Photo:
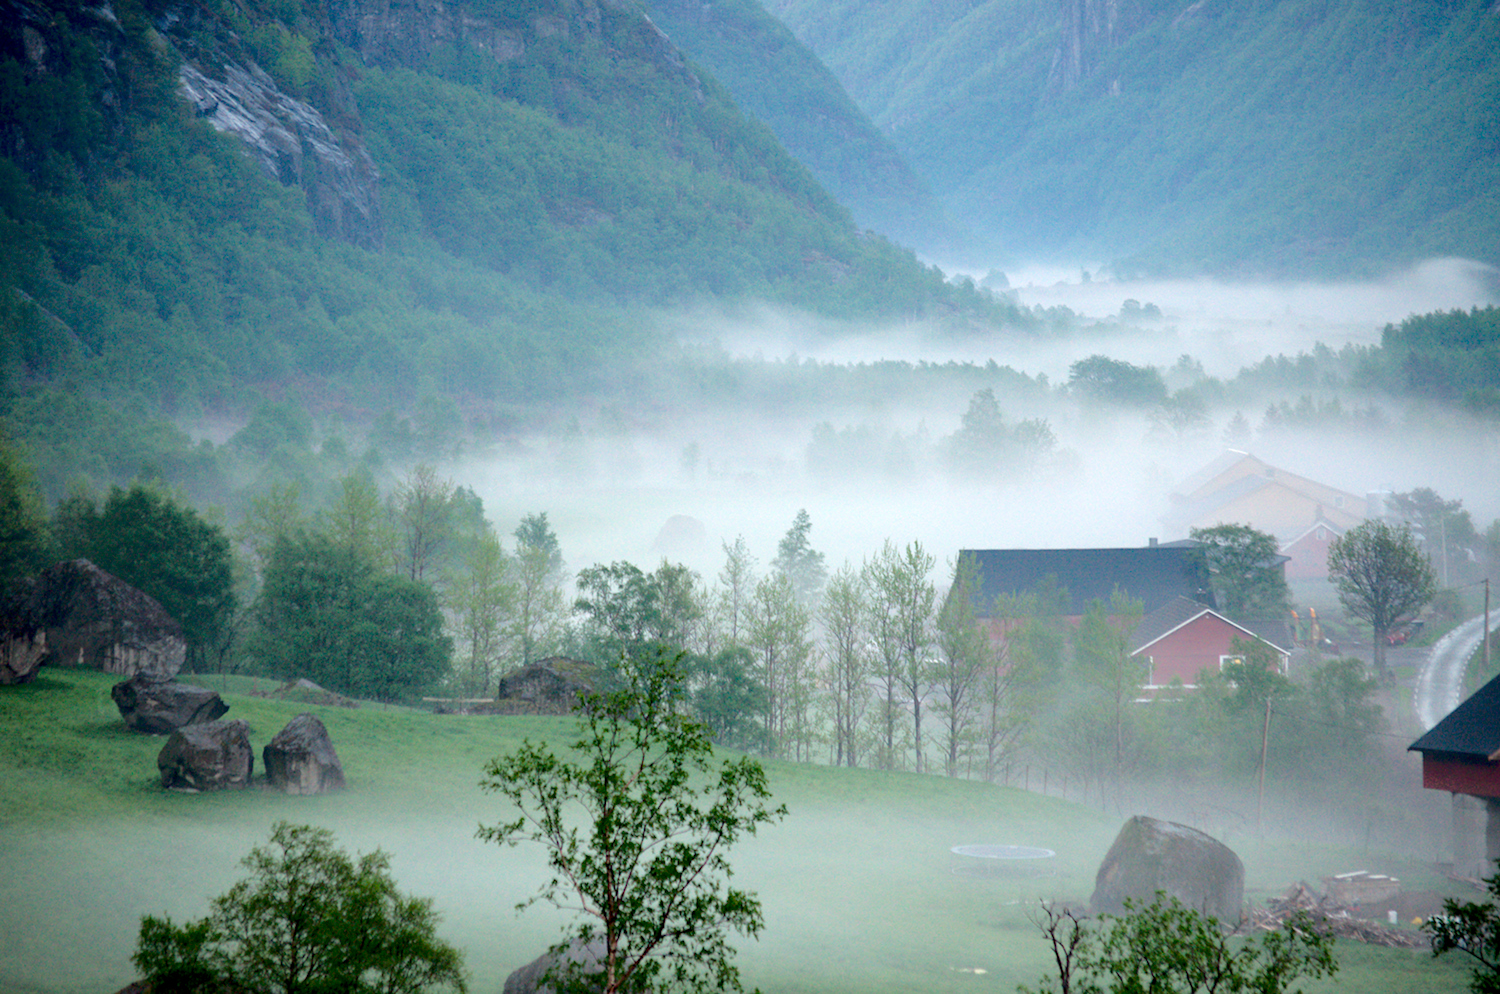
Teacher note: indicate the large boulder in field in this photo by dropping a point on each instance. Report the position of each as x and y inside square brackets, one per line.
[215, 755]
[530, 979]
[74, 614]
[159, 707]
[1151, 855]
[301, 760]
[549, 686]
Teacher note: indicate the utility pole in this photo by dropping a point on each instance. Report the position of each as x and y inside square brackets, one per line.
[1260, 796]
[1486, 627]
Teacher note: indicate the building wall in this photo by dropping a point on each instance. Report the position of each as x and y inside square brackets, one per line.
[1197, 646]
[1282, 511]
[1477, 779]
[1309, 555]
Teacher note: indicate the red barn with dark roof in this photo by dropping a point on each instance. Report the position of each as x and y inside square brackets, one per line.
[1461, 754]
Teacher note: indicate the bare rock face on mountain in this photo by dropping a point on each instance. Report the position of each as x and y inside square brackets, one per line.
[1150, 855]
[215, 755]
[301, 758]
[530, 979]
[74, 614]
[295, 146]
[411, 33]
[156, 706]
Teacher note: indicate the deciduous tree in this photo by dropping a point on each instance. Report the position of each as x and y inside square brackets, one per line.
[647, 869]
[145, 537]
[1167, 948]
[1246, 572]
[844, 612]
[963, 657]
[309, 919]
[1382, 577]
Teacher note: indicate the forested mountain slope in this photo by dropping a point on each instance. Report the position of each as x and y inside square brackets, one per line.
[775, 78]
[1226, 135]
[201, 202]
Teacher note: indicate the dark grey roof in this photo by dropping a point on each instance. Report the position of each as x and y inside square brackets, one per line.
[1472, 729]
[1181, 610]
[1154, 574]
[1174, 614]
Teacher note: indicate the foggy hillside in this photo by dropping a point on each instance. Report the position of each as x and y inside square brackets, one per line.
[1230, 137]
[774, 78]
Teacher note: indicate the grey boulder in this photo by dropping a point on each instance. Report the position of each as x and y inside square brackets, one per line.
[74, 614]
[1151, 855]
[159, 707]
[301, 758]
[532, 978]
[215, 755]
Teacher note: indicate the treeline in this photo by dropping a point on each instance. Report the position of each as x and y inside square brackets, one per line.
[888, 663]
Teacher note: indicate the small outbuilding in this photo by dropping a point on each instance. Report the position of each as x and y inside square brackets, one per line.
[1461, 754]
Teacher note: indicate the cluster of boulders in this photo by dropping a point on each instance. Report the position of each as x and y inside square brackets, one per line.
[76, 615]
[216, 755]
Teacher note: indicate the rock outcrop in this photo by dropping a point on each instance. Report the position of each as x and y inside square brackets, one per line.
[384, 32]
[156, 706]
[215, 755]
[549, 686]
[301, 758]
[294, 145]
[530, 979]
[74, 614]
[1151, 855]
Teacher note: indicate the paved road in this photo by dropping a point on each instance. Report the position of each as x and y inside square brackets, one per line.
[1440, 684]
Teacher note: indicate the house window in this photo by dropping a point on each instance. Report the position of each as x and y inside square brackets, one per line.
[1226, 660]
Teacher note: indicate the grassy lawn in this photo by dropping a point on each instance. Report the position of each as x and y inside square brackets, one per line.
[858, 883]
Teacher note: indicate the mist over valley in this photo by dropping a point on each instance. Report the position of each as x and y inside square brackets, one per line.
[431, 351]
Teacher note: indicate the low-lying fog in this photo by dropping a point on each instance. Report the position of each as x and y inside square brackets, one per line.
[744, 470]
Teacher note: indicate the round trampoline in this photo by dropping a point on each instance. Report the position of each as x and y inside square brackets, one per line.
[988, 860]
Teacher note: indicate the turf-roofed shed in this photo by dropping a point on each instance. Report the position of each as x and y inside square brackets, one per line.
[1461, 754]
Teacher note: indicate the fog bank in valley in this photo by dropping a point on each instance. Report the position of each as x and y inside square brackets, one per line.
[743, 466]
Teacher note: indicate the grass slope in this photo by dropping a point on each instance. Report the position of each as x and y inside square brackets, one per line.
[857, 884]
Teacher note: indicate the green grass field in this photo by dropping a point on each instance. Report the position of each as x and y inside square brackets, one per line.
[858, 884]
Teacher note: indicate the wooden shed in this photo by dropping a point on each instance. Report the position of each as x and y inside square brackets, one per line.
[1461, 754]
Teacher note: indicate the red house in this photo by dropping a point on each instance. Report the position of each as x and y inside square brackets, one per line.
[1184, 638]
[1307, 554]
[1461, 754]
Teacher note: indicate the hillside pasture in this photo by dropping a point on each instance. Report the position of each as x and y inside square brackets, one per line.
[860, 888]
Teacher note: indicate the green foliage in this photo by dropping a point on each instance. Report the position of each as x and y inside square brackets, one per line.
[25, 543]
[1472, 928]
[632, 614]
[1382, 576]
[728, 697]
[1102, 379]
[799, 561]
[1442, 355]
[1167, 948]
[327, 612]
[1245, 568]
[648, 869]
[1184, 138]
[149, 539]
[308, 919]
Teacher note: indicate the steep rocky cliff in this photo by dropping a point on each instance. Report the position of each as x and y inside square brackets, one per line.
[226, 71]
